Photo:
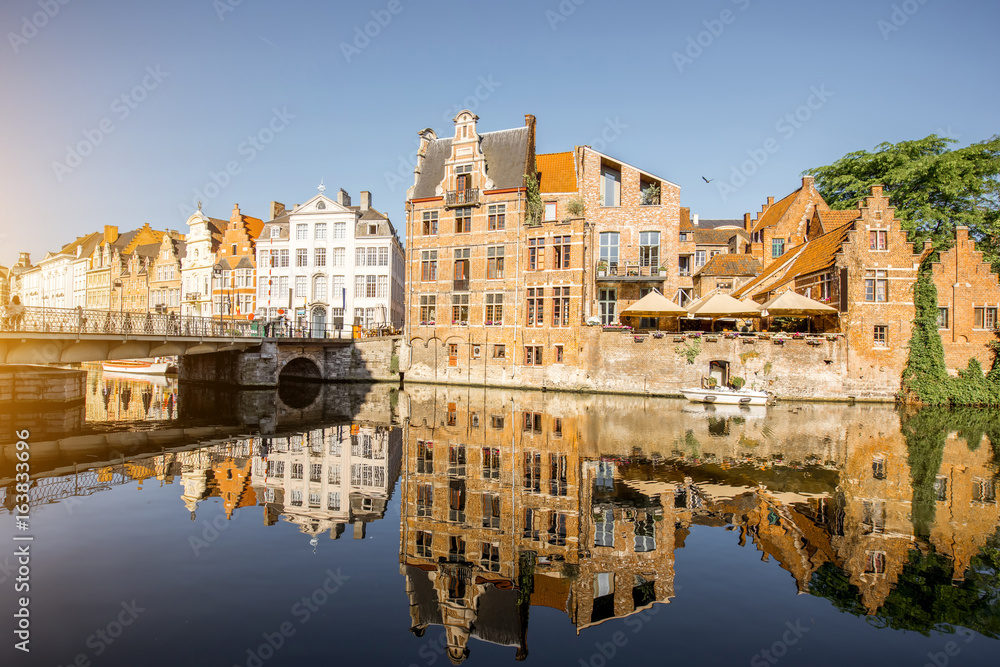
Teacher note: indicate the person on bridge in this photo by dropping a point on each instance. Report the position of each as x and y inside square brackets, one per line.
[16, 313]
[81, 321]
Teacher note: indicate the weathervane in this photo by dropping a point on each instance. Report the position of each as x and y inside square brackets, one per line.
[321, 187]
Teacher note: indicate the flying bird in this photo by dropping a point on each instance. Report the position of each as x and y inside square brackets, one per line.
[707, 180]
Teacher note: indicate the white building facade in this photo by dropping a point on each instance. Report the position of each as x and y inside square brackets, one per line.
[202, 242]
[327, 265]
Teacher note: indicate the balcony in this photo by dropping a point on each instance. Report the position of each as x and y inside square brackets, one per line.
[461, 198]
[628, 273]
[460, 285]
[192, 296]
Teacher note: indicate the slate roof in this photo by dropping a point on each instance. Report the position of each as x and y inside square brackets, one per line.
[556, 172]
[716, 236]
[714, 224]
[148, 250]
[372, 214]
[815, 255]
[506, 152]
[730, 264]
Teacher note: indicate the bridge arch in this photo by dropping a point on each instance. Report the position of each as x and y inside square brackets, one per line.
[300, 368]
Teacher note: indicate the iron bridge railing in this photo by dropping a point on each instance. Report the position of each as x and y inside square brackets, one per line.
[72, 320]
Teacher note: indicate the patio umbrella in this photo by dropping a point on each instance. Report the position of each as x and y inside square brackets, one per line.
[793, 304]
[654, 304]
[723, 305]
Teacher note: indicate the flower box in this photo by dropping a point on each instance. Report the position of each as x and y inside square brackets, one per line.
[749, 341]
[657, 335]
[813, 341]
[638, 339]
[711, 339]
[678, 339]
[778, 341]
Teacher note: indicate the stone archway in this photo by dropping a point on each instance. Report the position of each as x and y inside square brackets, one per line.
[300, 368]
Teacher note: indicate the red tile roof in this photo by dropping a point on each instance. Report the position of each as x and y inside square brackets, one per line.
[557, 172]
[773, 214]
[730, 264]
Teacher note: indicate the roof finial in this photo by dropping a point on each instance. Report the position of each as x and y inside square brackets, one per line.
[199, 204]
[321, 187]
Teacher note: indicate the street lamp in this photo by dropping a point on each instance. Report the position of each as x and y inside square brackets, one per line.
[121, 306]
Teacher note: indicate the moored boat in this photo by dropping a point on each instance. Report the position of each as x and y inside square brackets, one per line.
[135, 367]
[725, 396]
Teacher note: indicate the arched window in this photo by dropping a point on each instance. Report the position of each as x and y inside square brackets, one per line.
[319, 287]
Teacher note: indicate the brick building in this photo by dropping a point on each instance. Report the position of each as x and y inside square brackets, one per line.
[234, 285]
[165, 275]
[724, 272]
[783, 224]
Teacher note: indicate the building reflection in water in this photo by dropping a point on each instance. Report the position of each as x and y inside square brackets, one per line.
[121, 397]
[518, 499]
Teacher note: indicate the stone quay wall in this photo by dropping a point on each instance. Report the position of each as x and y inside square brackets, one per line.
[614, 362]
[26, 384]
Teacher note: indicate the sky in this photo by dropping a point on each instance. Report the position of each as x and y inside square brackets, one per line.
[125, 113]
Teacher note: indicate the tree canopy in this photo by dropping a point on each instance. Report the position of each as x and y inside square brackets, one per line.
[934, 188]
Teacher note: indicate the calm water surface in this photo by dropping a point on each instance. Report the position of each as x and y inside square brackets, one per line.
[435, 526]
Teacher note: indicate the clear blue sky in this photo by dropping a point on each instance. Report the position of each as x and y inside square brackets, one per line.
[219, 80]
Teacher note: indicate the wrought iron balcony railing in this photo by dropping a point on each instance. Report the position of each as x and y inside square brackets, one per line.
[462, 197]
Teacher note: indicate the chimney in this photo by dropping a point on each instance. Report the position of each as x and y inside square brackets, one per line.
[110, 233]
[359, 530]
[770, 201]
[24, 259]
[343, 198]
[746, 222]
[808, 182]
[529, 122]
[366, 200]
[277, 209]
[694, 219]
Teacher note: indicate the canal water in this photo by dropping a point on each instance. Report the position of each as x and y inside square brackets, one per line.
[431, 525]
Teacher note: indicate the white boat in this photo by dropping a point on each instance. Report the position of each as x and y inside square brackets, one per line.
[136, 367]
[725, 396]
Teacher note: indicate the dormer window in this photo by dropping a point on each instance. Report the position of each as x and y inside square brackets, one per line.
[275, 232]
[372, 230]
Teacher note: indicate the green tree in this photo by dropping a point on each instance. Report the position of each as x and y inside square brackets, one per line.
[934, 188]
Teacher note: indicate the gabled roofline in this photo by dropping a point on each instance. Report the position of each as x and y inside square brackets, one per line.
[641, 171]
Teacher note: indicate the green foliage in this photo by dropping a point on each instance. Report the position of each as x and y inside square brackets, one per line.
[767, 368]
[651, 195]
[925, 433]
[394, 364]
[934, 188]
[575, 207]
[737, 382]
[747, 356]
[925, 379]
[534, 197]
[689, 351]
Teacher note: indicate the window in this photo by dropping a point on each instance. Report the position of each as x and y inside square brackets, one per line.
[275, 232]
[320, 256]
[494, 308]
[283, 257]
[942, 319]
[611, 186]
[320, 231]
[301, 257]
[424, 543]
[649, 249]
[645, 534]
[296, 497]
[338, 256]
[456, 460]
[558, 467]
[684, 237]
[430, 226]
[825, 284]
[536, 254]
[425, 456]
[459, 308]
[985, 318]
[428, 265]
[608, 302]
[319, 288]
[876, 286]
[461, 268]
[499, 351]
[559, 354]
[532, 469]
[297, 471]
[881, 336]
[878, 239]
[560, 306]
[684, 265]
[532, 355]
[383, 256]
[550, 210]
[878, 467]
[491, 510]
[301, 286]
[497, 216]
[338, 287]
[984, 491]
[491, 463]
[370, 289]
[463, 219]
[301, 232]
[282, 287]
[872, 517]
[874, 562]
[359, 257]
[371, 256]
[557, 529]
[359, 288]
[560, 247]
[490, 560]
[383, 287]
[777, 247]
[425, 499]
[333, 475]
[699, 259]
[316, 472]
[340, 230]
[494, 262]
[609, 249]
[604, 530]
[941, 488]
[536, 307]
